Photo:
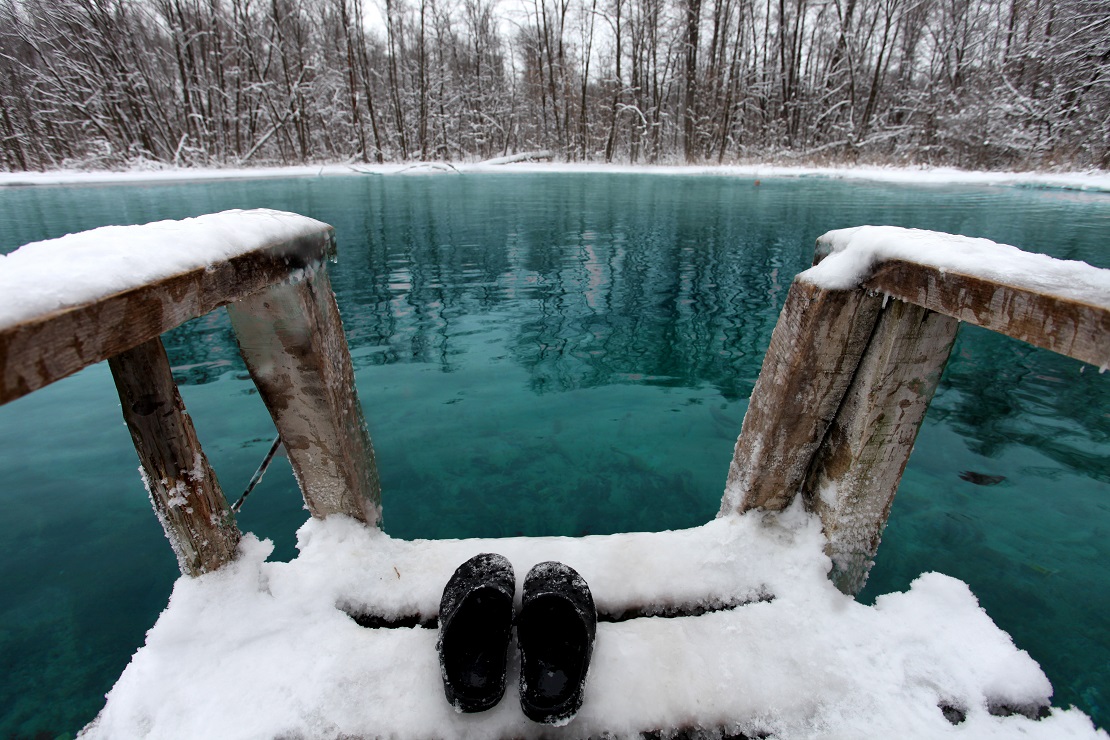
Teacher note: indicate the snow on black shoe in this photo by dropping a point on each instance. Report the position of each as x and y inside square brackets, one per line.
[555, 631]
[475, 622]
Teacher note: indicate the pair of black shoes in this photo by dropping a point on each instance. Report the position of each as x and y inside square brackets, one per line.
[555, 634]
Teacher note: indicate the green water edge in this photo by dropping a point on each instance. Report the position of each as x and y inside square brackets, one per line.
[559, 354]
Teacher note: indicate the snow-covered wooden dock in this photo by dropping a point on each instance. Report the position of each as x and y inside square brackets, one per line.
[266, 650]
[732, 628]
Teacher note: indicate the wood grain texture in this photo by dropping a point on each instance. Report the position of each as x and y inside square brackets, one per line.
[857, 467]
[183, 489]
[815, 347]
[292, 340]
[1072, 327]
[47, 348]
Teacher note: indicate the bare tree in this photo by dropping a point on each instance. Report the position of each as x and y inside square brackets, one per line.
[979, 83]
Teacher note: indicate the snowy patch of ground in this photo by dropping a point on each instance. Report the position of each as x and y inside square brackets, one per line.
[264, 649]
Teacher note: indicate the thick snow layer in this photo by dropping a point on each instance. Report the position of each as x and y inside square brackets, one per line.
[854, 252]
[47, 276]
[1091, 181]
[263, 649]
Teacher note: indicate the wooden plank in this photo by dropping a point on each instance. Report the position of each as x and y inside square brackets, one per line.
[859, 464]
[1072, 327]
[47, 348]
[292, 340]
[815, 347]
[183, 489]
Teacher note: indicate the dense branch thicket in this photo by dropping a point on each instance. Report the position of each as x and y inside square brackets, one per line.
[975, 83]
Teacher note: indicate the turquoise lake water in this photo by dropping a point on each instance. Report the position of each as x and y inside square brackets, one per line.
[559, 354]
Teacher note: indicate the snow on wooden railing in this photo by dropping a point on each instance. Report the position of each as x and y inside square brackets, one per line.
[111, 292]
[849, 373]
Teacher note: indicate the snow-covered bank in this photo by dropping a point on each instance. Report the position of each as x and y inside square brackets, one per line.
[265, 649]
[1087, 181]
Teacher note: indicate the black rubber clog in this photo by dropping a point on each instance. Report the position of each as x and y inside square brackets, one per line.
[475, 622]
[555, 631]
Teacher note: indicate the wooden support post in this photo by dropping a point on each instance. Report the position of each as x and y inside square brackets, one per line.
[292, 340]
[184, 490]
[857, 468]
[844, 386]
[814, 350]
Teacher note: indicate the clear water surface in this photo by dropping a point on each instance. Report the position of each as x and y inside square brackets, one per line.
[558, 355]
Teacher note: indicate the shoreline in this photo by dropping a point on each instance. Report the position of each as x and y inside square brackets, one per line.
[1098, 182]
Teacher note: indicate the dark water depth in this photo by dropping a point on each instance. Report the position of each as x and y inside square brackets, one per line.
[558, 355]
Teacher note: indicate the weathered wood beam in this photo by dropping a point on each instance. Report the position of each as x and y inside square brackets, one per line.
[291, 338]
[46, 348]
[838, 422]
[1069, 325]
[857, 468]
[183, 489]
[815, 347]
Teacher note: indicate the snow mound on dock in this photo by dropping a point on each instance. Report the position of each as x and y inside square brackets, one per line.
[269, 649]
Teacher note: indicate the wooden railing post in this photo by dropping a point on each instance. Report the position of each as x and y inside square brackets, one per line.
[183, 489]
[183, 270]
[815, 348]
[843, 390]
[857, 468]
[291, 338]
[856, 357]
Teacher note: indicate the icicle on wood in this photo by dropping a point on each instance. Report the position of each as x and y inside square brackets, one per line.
[183, 488]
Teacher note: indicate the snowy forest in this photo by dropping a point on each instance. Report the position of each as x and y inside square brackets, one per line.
[146, 83]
